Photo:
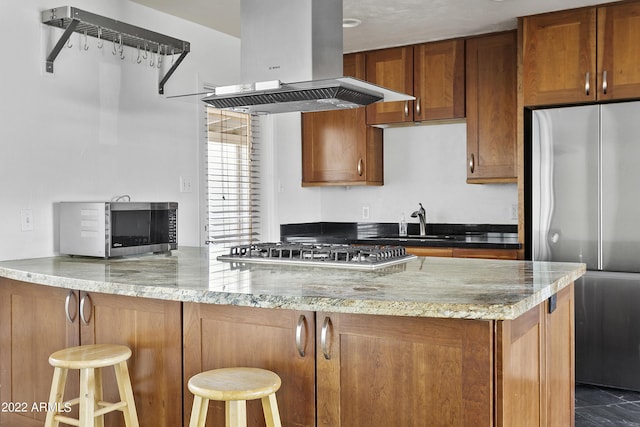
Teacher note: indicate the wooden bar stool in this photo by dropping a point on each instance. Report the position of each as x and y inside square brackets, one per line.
[235, 386]
[89, 359]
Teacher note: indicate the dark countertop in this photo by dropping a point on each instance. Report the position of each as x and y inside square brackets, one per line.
[479, 236]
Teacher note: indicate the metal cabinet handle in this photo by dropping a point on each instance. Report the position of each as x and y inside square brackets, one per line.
[587, 85]
[299, 345]
[406, 108]
[605, 86]
[85, 320]
[472, 163]
[360, 167]
[418, 106]
[67, 302]
[323, 338]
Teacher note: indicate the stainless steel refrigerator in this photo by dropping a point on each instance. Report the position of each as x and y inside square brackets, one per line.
[585, 194]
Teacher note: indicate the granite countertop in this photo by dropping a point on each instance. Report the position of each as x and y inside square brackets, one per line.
[422, 287]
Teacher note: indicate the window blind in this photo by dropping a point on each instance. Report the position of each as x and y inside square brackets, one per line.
[233, 197]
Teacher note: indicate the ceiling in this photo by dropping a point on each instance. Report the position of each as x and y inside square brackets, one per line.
[386, 23]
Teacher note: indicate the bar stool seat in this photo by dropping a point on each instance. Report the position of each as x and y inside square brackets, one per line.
[89, 359]
[235, 386]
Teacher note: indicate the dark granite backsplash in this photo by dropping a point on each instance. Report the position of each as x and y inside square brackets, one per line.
[345, 232]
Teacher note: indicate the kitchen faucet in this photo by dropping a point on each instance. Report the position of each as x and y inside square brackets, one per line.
[421, 214]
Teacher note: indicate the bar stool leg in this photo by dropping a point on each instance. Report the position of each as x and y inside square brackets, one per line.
[99, 421]
[126, 394]
[235, 413]
[56, 396]
[199, 412]
[270, 409]
[87, 397]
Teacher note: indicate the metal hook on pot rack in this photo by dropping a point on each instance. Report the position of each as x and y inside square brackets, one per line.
[159, 61]
[99, 35]
[86, 45]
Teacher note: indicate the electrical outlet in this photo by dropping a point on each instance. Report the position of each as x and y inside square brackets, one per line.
[365, 212]
[26, 220]
[185, 185]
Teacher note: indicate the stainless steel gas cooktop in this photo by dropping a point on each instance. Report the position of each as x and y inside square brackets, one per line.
[363, 257]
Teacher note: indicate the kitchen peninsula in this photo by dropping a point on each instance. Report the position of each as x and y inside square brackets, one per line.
[433, 341]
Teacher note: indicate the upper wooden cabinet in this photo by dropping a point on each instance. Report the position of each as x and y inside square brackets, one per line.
[560, 51]
[559, 57]
[438, 80]
[393, 69]
[618, 52]
[491, 108]
[354, 65]
[338, 148]
[432, 72]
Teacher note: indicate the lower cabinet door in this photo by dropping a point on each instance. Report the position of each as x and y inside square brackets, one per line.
[33, 324]
[218, 336]
[151, 328]
[402, 371]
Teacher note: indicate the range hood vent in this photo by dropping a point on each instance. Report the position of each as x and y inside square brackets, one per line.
[294, 41]
[318, 95]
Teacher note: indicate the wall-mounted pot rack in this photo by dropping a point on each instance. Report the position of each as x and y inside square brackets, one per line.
[72, 19]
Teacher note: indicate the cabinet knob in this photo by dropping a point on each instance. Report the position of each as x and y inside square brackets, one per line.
[406, 108]
[472, 163]
[360, 167]
[605, 85]
[418, 106]
[587, 85]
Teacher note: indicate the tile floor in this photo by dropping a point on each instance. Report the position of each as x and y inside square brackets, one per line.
[602, 407]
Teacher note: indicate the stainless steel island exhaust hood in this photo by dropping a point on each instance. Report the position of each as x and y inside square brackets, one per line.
[299, 42]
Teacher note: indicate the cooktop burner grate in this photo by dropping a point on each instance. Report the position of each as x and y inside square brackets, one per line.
[330, 255]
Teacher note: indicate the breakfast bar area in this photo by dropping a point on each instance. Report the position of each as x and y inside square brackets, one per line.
[432, 341]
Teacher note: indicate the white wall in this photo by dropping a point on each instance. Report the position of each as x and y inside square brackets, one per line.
[422, 164]
[97, 127]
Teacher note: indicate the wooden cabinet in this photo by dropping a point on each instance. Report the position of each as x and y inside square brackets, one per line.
[34, 324]
[438, 80]
[338, 148]
[432, 72]
[402, 371]
[559, 57]
[618, 53]
[393, 69]
[282, 341]
[354, 65]
[582, 55]
[152, 329]
[384, 370]
[541, 392]
[463, 252]
[491, 108]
